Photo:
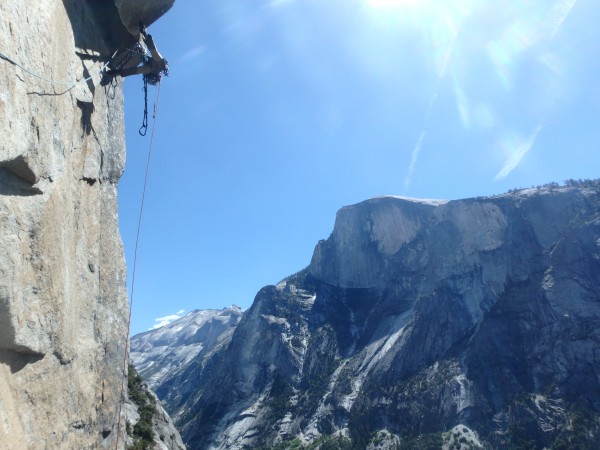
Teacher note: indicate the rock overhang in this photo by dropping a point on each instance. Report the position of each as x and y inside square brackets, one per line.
[132, 12]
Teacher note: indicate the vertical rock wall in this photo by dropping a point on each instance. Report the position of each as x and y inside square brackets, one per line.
[415, 317]
[63, 302]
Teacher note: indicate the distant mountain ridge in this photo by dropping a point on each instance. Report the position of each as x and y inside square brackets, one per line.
[160, 354]
[417, 324]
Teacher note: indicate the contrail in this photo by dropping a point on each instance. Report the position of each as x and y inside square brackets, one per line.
[559, 13]
[514, 160]
[413, 160]
[417, 148]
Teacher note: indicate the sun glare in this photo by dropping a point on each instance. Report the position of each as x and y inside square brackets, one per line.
[393, 4]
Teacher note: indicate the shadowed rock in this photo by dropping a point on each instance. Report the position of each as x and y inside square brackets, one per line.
[414, 318]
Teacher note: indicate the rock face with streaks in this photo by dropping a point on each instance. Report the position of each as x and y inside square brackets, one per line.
[63, 302]
[420, 323]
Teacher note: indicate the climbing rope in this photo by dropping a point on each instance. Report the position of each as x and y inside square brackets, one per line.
[149, 78]
[153, 79]
[125, 56]
[144, 126]
[137, 238]
[71, 84]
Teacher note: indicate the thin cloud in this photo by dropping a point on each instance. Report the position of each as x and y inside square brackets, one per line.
[449, 49]
[559, 13]
[462, 104]
[162, 321]
[447, 56]
[192, 53]
[517, 156]
[413, 160]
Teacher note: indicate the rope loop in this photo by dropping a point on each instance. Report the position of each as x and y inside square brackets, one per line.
[70, 84]
[144, 128]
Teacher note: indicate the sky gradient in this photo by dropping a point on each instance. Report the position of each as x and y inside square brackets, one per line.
[278, 113]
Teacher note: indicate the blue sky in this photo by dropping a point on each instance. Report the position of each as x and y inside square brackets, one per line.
[278, 113]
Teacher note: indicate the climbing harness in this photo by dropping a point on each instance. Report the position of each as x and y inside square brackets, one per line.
[125, 56]
[128, 54]
[139, 50]
[71, 84]
[137, 238]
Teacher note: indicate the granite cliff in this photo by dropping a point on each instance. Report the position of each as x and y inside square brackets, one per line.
[160, 355]
[63, 301]
[419, 324]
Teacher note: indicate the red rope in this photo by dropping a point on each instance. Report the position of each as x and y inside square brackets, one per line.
[137, 238]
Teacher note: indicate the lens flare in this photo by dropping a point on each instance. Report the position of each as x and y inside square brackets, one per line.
[389, 4]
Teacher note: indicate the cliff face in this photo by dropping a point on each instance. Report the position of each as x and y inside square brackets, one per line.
[476, 317]
[63, 302]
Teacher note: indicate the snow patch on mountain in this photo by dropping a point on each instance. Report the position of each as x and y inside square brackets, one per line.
[158, 354]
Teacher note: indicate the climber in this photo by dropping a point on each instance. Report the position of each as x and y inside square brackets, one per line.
[152, 68]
